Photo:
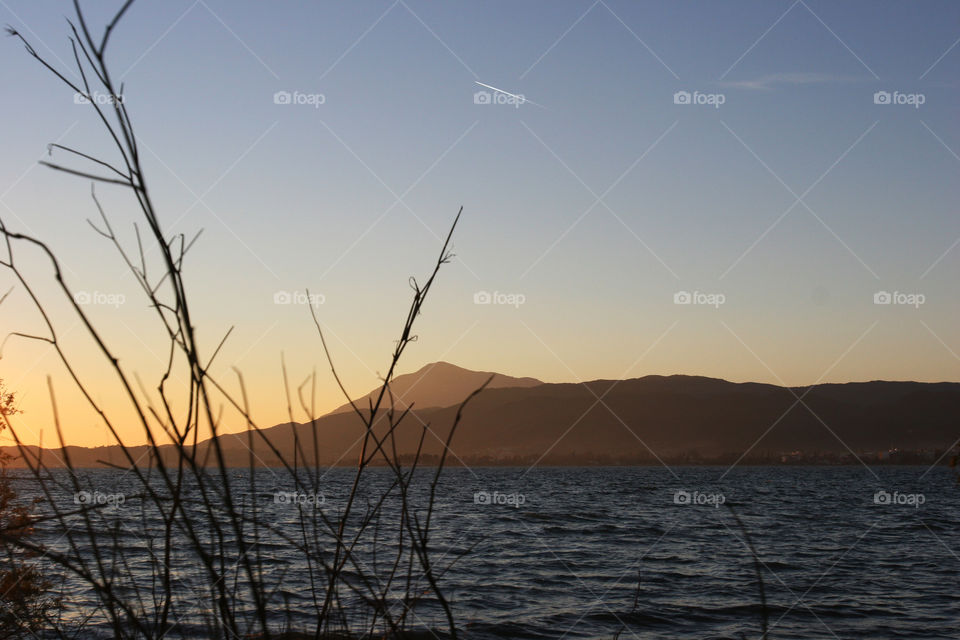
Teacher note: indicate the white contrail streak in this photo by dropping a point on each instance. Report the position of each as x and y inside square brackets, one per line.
[520, 98]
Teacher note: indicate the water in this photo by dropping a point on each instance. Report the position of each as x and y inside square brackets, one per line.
[583, 553]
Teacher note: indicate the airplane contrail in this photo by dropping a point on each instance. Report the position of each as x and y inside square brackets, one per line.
[521, 99]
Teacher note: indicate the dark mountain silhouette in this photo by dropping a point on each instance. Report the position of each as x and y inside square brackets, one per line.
[667, 417]
[439, 384]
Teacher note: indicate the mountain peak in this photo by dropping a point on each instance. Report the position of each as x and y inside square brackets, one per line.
[442, 384]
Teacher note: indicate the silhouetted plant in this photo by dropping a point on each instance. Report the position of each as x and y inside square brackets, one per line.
[26, 604]
[206, 564]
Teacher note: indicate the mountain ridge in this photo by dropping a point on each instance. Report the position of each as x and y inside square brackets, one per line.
[653, 417]
[450, 385]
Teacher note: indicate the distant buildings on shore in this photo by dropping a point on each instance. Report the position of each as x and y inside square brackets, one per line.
[890, 456]
[798, 457]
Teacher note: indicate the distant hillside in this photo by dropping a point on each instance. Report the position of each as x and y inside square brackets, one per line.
[673, 417]
[440, 384]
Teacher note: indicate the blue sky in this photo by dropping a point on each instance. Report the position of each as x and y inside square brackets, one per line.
[595, 202]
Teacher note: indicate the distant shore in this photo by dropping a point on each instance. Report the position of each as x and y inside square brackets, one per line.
[905, 459]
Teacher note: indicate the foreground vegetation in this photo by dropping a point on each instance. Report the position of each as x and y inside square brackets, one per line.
[205, 527]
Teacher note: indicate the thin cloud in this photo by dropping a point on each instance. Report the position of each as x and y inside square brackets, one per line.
[772, 81]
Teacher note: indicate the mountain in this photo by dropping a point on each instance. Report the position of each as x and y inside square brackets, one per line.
[439, 384]
[669, 418]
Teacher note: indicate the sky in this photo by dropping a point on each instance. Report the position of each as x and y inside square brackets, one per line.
[755, 191]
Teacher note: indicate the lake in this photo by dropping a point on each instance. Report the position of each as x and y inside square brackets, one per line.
[585, 553]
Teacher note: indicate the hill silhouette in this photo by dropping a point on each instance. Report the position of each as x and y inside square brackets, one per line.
[439, 384]
[654, 417]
